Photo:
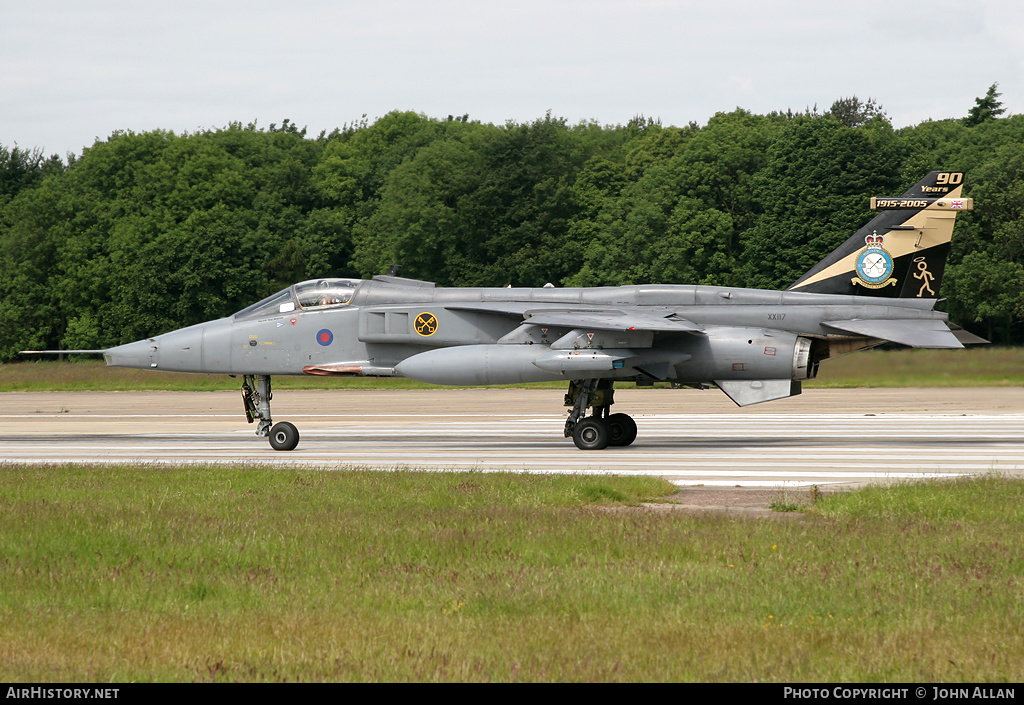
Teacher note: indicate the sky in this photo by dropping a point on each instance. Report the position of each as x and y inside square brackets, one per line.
[72, 72]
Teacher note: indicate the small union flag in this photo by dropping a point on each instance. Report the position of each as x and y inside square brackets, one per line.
[956, 204]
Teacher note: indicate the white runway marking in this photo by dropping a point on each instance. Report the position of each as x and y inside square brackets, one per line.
[688, 449]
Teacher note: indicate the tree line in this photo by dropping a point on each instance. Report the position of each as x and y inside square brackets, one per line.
[146, 232]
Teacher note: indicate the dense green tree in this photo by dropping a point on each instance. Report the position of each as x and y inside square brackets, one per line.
[675, 211]
[985, 276]
[30, 313]
[986, 108]
[934, 144]
[24, 168]
[421, 223]
[982, 277]
[853, 112]
[481, 206]
[812, 192]
[153, 231]
[355, 164]
[524, 203]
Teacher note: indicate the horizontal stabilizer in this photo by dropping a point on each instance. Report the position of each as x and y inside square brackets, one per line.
[965, 337]
[917, 333]
[610, 320]
[746, 391]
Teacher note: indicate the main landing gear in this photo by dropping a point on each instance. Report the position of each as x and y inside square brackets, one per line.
[602, 429]
[594, 432]
[256, 396]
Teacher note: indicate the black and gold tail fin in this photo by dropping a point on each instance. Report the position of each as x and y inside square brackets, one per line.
[902, 252]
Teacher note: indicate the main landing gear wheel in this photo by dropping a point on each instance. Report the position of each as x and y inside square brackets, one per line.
[621, 429]
[601, 429]
[591, 434]
[284, 436]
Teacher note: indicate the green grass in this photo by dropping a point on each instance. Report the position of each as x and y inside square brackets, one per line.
[978, 366]
[93, 375]
[253, 574]
[975, 366]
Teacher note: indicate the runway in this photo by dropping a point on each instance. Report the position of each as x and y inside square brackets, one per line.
[690, 437]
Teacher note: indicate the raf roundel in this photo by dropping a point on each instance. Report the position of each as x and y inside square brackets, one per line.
[324, 337]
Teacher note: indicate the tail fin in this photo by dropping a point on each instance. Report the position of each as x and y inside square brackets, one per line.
[902, 252]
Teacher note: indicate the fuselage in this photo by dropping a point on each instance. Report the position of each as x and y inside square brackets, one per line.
[383, 323]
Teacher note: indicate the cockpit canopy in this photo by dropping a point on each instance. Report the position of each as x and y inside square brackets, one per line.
[314, 294]
[325, 292]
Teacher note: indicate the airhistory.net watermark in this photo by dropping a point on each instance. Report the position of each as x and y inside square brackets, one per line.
[62, 693]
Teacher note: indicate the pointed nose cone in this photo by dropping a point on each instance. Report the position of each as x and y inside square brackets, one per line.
[141, 355]
[184, 350]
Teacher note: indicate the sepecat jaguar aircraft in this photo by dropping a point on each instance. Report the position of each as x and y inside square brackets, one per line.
[755, 345]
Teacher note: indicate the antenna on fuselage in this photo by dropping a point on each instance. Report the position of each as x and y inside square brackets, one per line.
[392, 270]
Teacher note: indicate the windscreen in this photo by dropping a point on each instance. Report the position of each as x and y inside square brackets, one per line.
[280, 302]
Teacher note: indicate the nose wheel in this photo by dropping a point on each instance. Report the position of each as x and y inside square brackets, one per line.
[256, 396]
[284, 436]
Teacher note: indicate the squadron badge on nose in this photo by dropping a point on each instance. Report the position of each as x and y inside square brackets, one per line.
[425, 324]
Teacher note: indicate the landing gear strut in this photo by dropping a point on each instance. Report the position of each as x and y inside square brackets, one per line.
[601, 429]
[256, 396]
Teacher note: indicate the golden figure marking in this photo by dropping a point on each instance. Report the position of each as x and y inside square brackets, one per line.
[925, 276]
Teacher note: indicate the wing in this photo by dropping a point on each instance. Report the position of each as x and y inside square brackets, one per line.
[611, 319]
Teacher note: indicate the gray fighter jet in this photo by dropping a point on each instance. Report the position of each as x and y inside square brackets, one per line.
[755, 345]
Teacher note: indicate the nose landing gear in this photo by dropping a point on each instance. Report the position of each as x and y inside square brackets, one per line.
[256, 396]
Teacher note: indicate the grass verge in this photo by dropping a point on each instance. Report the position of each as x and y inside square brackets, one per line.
[976, 366]
[257, 574]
